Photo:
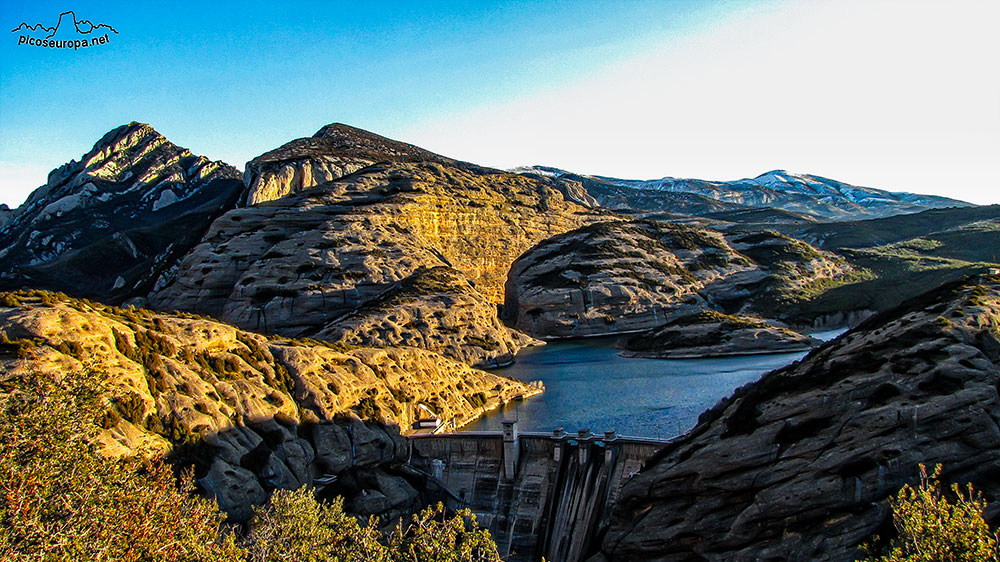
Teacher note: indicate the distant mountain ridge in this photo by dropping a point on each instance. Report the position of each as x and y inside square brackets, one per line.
[817, 196]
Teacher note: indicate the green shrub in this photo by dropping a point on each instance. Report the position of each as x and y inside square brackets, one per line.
[281, 379]
[19, 347]
[933, 529]
[401, 396]
[131, 407]
[9, 299]
[368, 409]
[71, 348]
[294, 526]
[124, 347]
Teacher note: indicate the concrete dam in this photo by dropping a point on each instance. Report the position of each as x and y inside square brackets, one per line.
[539, 494]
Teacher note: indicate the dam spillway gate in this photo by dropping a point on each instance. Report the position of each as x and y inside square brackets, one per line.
[539, 494]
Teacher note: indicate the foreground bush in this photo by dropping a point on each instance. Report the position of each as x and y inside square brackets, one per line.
[933, 529]
[60, 500]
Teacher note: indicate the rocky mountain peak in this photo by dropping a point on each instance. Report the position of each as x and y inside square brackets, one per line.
[353, 141]
[129, 158]
[335, 151]
[132, 181]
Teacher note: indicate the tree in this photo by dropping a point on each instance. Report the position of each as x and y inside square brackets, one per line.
[933, 529]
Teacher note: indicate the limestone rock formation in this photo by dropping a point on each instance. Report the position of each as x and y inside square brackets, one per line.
[252, 413]
[713, 334]
[794, 272]
[301, 264]
[631, 276]
[107, 226]
[799, 465]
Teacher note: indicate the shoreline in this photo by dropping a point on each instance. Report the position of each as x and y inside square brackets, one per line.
[533, 390]
[683, 356]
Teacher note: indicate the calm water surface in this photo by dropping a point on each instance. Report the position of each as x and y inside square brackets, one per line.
[589, 386]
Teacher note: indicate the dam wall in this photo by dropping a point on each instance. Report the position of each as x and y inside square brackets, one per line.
[539, 494]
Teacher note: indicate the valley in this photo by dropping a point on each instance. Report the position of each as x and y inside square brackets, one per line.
[298, 322]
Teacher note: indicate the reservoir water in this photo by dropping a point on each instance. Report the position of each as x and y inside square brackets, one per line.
[589, 386]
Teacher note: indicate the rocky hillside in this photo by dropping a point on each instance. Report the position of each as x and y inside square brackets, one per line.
[338, 260]
[919, 252]
[799, 193]
[621, 277]
[105, 227]
[436, 309]
[252, 413]
[713, 334]
[799, 465]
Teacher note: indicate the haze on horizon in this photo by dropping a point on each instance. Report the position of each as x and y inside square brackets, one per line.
[887, 94]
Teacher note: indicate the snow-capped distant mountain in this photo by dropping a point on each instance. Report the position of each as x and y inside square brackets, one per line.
[801, 193]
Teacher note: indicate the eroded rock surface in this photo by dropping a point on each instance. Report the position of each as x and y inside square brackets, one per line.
[436, 309]
[799, 466]
[252, 413]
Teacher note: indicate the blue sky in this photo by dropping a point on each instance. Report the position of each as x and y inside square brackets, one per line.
[896, 95]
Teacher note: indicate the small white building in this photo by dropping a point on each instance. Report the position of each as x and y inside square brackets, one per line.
[427, 423]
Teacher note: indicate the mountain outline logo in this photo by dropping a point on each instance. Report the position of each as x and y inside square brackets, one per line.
[82, 27]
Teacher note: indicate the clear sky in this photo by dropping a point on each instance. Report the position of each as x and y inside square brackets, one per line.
[901, 95]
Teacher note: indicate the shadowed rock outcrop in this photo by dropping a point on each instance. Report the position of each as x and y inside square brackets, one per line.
[252, 413]
[5, 214]
[799, 465]
[106, 227]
